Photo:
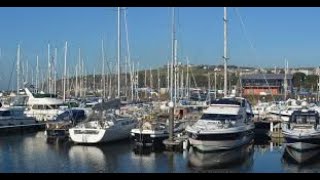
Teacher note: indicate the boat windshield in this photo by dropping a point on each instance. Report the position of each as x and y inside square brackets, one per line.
[220, 117]
[305, 119]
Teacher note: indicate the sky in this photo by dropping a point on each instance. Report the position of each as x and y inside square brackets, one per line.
[267, 37]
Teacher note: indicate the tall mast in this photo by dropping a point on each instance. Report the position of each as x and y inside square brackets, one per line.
[225, 58]
[285, 85]
[27, 72]
[68, 83]
[128, 45]
[158, 76]
[125, 76]
[187, 80]
[94, 80]
[145, 77]
[133, 80]
[175, 71]
[76, 88]
[103, 72]
[318, 98]
[137, 84]
[49, 70]
[55, 69]
[215, 83]
[18, 69]
[173, 52]
[65, 71]
[37, 73]
[150, 79]
[77, 73]
[119, 51]
[168, 76]
[83, 79]
[181, 84]
[32, 76]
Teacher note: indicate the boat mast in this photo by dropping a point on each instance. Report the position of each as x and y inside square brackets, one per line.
[37, 73]
[225, 58]
[119, 51]
[285, 85]
[65, 71]
[128, 50]
[133, 79]
[32, 76]
[137, 83]
[158, 76]
[168, 76]
[27, 72]
[76, 88]
[83, 90]
[49, 70]
[145, 77]
[173, 53]
[181, 84]
[125, 77]
[318, 98]
[175, 71]
[150, 85]
[18, 69]
[187, 80]
[55, 69]
[103, 72]
[94, 81]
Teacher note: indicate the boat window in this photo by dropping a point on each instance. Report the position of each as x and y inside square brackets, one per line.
[5, 113]
[305, 119]
[89, 105]
[220, 117]
[54, 106]
[86, 132]
[37, 107]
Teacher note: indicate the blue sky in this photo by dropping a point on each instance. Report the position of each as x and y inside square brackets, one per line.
[277, 33]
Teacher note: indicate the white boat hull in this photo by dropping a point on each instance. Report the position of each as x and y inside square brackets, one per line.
[219, 145]
[99, 135]
[302, 146]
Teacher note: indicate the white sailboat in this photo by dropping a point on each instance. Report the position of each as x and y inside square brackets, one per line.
[99, 129]
[106, 126]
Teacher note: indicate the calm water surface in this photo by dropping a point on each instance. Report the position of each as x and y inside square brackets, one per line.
[31, 152]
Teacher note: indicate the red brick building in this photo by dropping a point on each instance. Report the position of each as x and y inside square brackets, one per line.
[265, 84]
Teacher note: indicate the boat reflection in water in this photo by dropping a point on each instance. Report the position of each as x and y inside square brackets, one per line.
[301, 161]
[86, 157]
[235, 160]
[98, 158]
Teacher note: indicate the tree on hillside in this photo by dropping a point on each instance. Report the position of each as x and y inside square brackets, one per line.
[298, 79]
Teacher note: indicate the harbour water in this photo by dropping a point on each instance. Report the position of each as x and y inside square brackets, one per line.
[31, 152]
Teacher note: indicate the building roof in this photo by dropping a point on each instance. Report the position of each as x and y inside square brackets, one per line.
[266, 76]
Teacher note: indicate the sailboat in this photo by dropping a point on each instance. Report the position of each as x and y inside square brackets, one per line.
[227, 123]
[105, 126]
[154, 133]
